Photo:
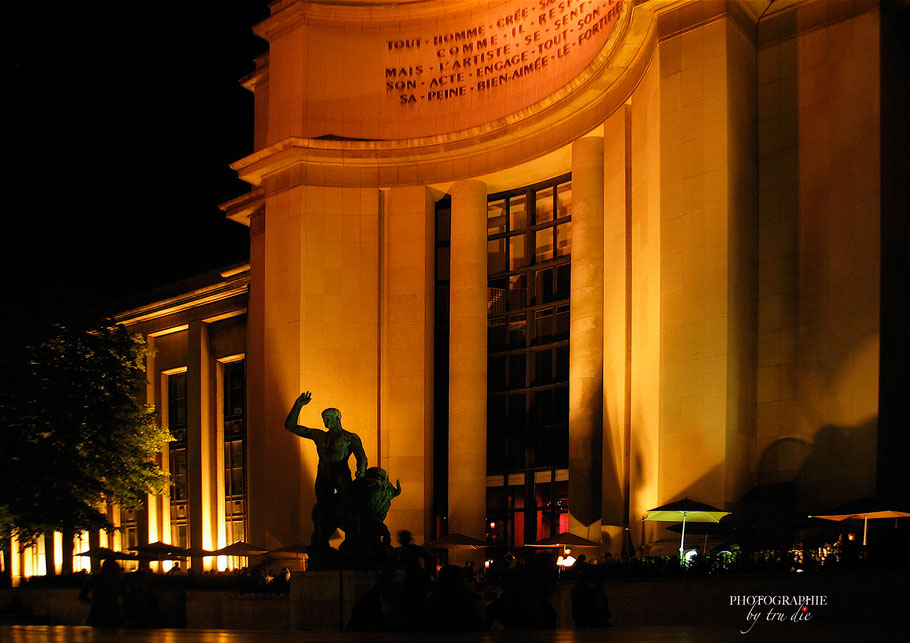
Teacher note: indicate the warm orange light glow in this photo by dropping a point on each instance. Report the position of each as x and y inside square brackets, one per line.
[58, 552]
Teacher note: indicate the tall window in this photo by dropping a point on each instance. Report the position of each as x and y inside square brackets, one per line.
[176, 405]
[234, 394]
[529, 234]
[128, 524]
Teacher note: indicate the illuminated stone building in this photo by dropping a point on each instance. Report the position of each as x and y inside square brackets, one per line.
[556, 262]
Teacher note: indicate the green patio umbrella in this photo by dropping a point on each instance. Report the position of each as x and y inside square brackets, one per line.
[685, 510]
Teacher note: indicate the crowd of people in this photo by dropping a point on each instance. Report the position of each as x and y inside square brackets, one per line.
[415, 596]
[127, 599]
[120, 600]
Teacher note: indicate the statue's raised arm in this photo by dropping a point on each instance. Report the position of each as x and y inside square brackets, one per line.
[291, 422]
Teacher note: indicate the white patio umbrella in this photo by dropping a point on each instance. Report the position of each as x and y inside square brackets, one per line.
[866, 508]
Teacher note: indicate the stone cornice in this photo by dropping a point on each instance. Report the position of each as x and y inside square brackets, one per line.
[243, 207]
[577, 108]
[534, 131]
[234, 285]
[289, 14]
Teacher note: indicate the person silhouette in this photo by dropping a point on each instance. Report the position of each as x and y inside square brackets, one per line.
[107, 593]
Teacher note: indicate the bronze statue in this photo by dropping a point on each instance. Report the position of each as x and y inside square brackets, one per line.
[368, 502]
[333, 446]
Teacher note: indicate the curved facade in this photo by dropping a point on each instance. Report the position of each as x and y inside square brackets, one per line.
[723, 323]
[556, 262]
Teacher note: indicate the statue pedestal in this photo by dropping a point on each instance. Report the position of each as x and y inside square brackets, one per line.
[323, 600]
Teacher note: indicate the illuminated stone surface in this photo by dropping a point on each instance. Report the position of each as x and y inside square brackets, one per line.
[732, 323]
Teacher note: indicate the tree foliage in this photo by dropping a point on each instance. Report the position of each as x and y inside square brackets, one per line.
[74, 433]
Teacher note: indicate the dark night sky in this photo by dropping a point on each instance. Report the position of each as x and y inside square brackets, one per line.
[125, 118]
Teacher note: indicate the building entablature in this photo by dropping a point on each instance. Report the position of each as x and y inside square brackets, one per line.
[225, 298]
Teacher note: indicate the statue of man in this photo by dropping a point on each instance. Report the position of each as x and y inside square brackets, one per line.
[333, 446]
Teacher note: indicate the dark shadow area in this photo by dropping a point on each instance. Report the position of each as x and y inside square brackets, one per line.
[894, 376]
[124, 123]
[795, 476]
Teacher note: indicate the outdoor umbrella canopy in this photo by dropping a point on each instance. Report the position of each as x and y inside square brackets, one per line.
[703, 528]
[564, 539]
[160, 549]
[104, 552]
[288, 551]
[686, 510]
[241, 548]
[455, 541]
[863, 509]
[199, 552]
[297, 548]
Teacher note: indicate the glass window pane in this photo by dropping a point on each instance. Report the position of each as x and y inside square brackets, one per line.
[496, 216]
[563, 239]
[237, 531]
[518, 213]
[517, 412]
[544, 206]
[563, 281]
[543, 245]
[561, 446]
[563, 200]
[518, 258]
[543, 326]
[442, 302]
[496, 255]
[517, 371]
[496, 499]
[497, 333]
[496, 412]
[543, 367]
[544, 286]
[442, 263]
[562, 322]
[562, 363]
[518, 289]
[496, 373]
[515, 458]
[496, 460]
[542, 408]
[178, 382]
[561, 406]
[537, 457]
[443, 224]
[517, 331]
[497, 296]
[180, 414]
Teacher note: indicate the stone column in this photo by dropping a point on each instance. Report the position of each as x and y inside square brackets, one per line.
[198, 439]
[586, 334]
[468, 360]
[148, 526]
